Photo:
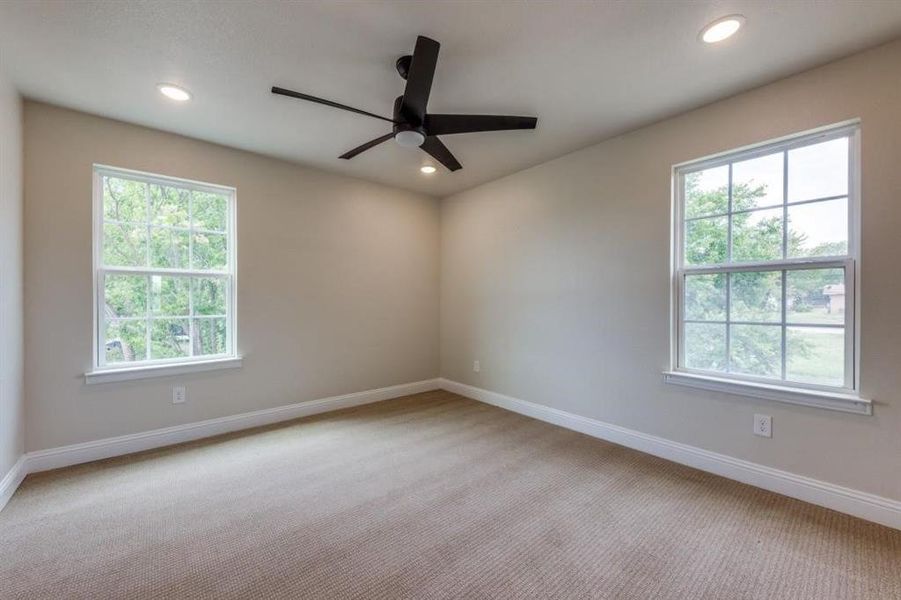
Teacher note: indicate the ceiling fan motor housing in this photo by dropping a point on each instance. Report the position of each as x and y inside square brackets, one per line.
[403, 66]
[405, 133]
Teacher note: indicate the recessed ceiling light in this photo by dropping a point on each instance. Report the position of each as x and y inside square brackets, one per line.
[427, 169]
[174, 92]
[722, 29]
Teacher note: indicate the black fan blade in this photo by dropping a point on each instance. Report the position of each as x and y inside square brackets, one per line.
[439, 152]
[292, 94]
[366, 146]
[419, 80]
[448, 124]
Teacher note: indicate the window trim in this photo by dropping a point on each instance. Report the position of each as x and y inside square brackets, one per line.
[100, 372]
[846, 397]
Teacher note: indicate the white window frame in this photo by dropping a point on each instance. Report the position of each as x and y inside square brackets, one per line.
[846, 397]
[102, 372]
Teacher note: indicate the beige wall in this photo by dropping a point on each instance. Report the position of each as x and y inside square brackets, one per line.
[557, 279]
[338, 282]
[12, 413]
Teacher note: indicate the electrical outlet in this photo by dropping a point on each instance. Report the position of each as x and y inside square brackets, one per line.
[763, 425]
[178, 394]
[476, 366]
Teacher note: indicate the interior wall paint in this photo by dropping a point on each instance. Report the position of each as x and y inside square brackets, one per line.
[12, 412]
[337, 282]
[557, 280]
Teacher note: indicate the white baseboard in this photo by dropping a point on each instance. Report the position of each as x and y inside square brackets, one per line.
[11, 481]
[853, 502]
[64, 456]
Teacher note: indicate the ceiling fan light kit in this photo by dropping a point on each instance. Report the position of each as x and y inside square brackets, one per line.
[413, 126]
[409, 138]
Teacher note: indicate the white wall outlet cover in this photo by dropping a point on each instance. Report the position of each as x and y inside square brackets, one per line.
[476, 366]
[763, 425]
[178, 395]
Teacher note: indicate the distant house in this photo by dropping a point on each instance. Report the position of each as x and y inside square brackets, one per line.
[835, 297]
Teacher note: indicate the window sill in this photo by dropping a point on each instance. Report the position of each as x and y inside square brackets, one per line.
[149, 371]
[830, 400]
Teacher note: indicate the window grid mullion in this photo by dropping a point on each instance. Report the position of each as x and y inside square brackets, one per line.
[710, 322]
[147, 224]
[215, 231]
[729, 320]
[164, 272]
[728, 275]
[689, 219]
[785, 205]
[783, 368]
[850, 273]
[800, 264]
[183, 317]
[148, 322]
[784, 327]
[101, 308]
[729, 218]
[191, 331]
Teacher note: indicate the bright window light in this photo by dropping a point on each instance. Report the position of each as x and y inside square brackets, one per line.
[766, 249]
[164, 267]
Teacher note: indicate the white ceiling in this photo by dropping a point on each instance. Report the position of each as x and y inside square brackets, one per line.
[587, 70]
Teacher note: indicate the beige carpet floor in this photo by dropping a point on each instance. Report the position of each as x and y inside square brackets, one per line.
[429, 496]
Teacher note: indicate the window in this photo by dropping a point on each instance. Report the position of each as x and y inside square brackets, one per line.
[164, 266]
[765, 248]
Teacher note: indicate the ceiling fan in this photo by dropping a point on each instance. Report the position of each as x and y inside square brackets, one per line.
[412, 125]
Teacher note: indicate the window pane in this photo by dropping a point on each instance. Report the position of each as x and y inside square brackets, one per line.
[126, 341]
[818, 228]
[209, 296]
[757, 235]
[169, 296]
[124, 200]
[707, 192]
[157, 227]
[705, 297]
[209, 336]
[210, 211]
[124, 245]
[756, 296]
[757, 182]
[170, 338]
[125, 296]
[815, 355]
[705, 346]
[705, 241]
[815, 296]
[818, 171]
[210, 251]
[756, 350]
[168, 248]
[169, 206]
